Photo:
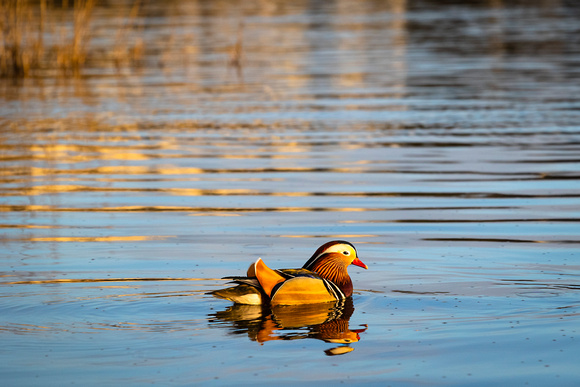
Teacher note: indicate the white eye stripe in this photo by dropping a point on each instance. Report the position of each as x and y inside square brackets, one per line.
[341, 248]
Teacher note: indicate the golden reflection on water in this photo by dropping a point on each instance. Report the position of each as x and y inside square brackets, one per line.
[99, 280]
[62, 188]
[211, 210]
[172, 170]
[32, 226]
[332, 236]
[131, 238]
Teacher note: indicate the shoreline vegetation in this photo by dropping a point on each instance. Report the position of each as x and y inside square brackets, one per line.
[55, 38]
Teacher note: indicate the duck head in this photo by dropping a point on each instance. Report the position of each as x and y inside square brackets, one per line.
[330, 262]
[345, 250]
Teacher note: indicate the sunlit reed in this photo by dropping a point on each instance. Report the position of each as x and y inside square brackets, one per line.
[45, 36]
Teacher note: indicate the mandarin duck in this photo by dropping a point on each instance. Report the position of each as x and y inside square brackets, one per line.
[323, 278]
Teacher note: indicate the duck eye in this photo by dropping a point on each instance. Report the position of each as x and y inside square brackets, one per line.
[346, 252]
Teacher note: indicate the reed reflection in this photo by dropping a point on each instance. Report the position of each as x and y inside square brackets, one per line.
[328, 322]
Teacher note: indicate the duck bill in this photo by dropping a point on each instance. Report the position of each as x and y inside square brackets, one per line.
[358, 262]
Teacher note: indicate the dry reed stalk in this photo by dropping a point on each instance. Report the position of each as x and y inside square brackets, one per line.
[27, 45]
[20, 50]
[23, 48]
[236, 51]
[122, 52]
[72, 55]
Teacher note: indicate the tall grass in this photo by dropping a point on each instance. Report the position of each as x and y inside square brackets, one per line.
[122, 54]
[72, 55]
[42, 36]
[21, 48]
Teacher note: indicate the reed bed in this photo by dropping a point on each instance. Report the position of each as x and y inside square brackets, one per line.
[40, 37]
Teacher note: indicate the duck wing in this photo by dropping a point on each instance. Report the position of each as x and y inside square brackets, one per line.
[282, 287]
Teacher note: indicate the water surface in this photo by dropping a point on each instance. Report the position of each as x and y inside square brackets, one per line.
[442, 139]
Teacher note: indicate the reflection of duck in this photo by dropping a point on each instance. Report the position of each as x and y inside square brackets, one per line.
[324, 278]
[327, 322]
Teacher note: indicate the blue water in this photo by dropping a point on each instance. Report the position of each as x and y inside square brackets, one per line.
[442, 139]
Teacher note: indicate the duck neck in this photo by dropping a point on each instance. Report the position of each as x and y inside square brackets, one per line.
[334, 270]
